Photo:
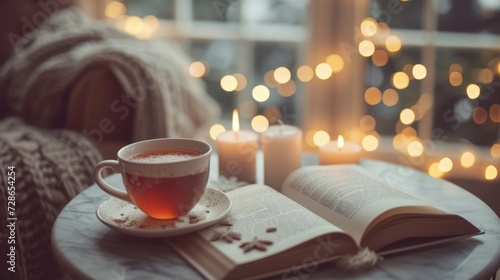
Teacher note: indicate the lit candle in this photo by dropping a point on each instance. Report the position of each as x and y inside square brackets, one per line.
[282, 148]
[339, 152]
[237, 149]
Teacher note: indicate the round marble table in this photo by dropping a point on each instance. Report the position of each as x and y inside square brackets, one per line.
[87, 249]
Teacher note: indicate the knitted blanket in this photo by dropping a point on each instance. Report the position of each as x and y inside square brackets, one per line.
[46, 168]
[154, 74]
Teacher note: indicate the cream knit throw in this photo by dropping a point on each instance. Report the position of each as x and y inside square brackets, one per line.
[154, 73]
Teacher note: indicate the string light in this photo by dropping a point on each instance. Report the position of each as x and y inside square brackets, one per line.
[369, 27]
[229, 83]
[400, 80]
[282, 75]
[305, 73]
[323, 71]
[366, 48]
[260, 93]
[393, 43]
[407, 116]
[419, 71]
[336, 62]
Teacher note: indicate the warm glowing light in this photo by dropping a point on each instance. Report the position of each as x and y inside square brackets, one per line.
[467, 159]
[408, 69]
[197, 69]
[229, 83]
[282, 75]
[367, 123]
[473, 91]
[390, 97]
[152, 22]
[485, 76]
[400, 80]
[490, 172]
[336, 62]
[479, 115]
[369, 27]
[434, 170]
[456, 79]
[324, 71]
[340, 142]
[134, 25]
[366, 48]
[114, 9]
[269, 79]
[305, 73]
[241, 81]
[260, 93]
[415, 148]
[495, 113]
[380, 58]
[373, 96]
[321, 138]
[456, 68]
[369, 143]
[498, 68]
[236, 121]
[393, 43]
[445, 164]
[309, 137]
[260, 123]
[215, 130]
[495, 151]
[419, 71]
[407, 116]
[287, 89]
[409, 131]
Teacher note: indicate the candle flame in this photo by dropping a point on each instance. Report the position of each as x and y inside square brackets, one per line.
[236, 121]
[340, 142]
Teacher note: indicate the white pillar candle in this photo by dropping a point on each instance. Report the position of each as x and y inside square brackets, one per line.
[282, 148]
[237, 149]
[336, 152]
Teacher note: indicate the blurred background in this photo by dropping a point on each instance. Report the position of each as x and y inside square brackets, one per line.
[414, 82]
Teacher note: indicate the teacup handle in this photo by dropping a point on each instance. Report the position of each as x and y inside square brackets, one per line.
[113, 164]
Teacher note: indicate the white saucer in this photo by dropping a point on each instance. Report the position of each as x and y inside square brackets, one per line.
[122, 216]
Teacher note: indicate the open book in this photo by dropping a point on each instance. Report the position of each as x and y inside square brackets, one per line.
[322, 212]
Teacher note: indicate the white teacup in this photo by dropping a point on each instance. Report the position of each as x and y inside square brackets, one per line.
[165, 178]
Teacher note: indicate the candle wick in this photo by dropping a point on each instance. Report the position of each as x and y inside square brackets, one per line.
[237, 134]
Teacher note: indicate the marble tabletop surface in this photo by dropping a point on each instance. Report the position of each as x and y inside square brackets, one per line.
[87, 249]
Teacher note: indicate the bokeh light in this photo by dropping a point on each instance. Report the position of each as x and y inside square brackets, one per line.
[269, 79]
[390, 97]
[456, 79]
[242, 81]
[467, 159]
[324, 71]
[490, 173]
[400, 80]
[434, 170]
[369, 27]
[260, 123]
[373, 96]
[305, 73]
[336, 62]
[260, 93]
[495, 113]
[495, 151]
[115, 9]
[367, 123]
[485, 76]
[393, 43]
[282, 75]
[287, 89]
[215, 130]
[473, 91]
[407, 116]
[415, 148]
[455, 67]
[321, 138]
[309, 138]
[445, 164]
[380, 58]
[479, 115]
[419, 71]
[229, 83]
[197, 69]
[369, 143]
[134, 25]
[152, 22]
[366, 48]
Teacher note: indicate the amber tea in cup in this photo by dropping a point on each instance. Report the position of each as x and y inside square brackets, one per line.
[165, 178]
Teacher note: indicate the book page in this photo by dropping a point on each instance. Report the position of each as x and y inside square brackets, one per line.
[257, 208]
[346, 195]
